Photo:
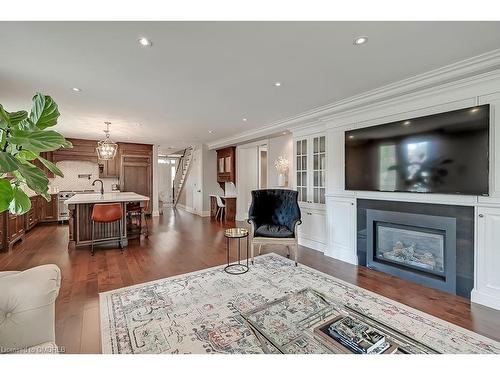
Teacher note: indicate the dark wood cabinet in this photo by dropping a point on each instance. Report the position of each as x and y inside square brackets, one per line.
[15, 228]
[32, 216]
[48, 210]
[3, 232]
[226, 165]
[110, 168]
[83, 149]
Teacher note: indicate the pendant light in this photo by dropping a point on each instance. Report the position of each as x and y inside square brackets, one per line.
[106, 149]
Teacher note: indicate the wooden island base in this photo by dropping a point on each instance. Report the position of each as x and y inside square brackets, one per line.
[80, 219]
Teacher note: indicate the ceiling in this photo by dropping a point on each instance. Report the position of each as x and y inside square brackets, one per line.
[200, 79]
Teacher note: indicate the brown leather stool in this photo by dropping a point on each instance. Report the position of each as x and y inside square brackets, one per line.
[107, 213]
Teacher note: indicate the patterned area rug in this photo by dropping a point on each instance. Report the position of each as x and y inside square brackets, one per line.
[199, 312]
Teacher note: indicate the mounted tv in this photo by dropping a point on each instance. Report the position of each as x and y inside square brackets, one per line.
[446, 153]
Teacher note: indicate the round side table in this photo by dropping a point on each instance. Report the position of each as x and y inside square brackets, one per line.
[237, 234]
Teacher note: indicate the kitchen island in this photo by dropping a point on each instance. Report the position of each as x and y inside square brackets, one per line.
[80, 218]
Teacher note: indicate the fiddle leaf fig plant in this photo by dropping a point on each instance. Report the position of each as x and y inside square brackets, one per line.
[23, 137]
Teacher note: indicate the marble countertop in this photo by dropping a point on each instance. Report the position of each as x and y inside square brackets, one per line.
[105, 198]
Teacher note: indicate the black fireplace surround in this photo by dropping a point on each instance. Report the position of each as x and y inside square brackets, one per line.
[431, 244]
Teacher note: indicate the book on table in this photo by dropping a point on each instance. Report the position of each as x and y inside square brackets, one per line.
[357, 336]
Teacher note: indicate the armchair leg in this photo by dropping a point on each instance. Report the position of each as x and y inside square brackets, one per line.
[287, 251]
[296, 253]
[260, 248]
[251, 251]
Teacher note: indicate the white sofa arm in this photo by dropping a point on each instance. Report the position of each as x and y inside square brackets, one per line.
[27, 307]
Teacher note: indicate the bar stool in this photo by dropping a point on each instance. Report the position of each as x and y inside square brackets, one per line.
[107, 213]
[134, 210]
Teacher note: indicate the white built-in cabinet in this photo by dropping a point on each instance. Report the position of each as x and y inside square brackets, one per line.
[342, 228]
[310, 181]
[487, 260]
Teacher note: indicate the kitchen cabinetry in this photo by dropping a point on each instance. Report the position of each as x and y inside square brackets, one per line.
[32, 216]
[310, 182]
[487, 260]
[110, 168]
[48, 210]
[83, 149]
[3, 232]
[15, 228]
[226, 165]
[136, 174]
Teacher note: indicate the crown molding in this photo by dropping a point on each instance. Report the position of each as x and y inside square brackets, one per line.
[465, 69]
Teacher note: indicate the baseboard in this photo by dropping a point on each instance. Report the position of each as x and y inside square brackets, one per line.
[192, 211]
[485, 299]
[315, 245]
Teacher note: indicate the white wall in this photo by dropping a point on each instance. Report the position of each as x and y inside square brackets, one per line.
[247, 177]
[202, 176]
[247, 168]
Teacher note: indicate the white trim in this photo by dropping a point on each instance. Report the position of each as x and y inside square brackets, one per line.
[192, 211]
[482, 67]
[485, 299]
[315, 245]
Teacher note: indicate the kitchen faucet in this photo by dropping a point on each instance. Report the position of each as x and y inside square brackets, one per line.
[102, 185]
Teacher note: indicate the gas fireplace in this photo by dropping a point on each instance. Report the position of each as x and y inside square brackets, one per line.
[416, 247]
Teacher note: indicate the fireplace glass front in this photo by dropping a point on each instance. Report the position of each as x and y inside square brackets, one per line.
[414, 247]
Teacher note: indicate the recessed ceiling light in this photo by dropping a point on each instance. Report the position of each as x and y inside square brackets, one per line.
[76, 89]
[360, 40]
[145, 42]
[210, 131]
[277, 84]
[284, 133]
[406, 123]
[245, 120]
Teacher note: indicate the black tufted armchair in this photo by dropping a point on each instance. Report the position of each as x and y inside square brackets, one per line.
[274, 215]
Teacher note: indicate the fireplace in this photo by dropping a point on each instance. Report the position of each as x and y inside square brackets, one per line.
[421, 249]
[416, 247]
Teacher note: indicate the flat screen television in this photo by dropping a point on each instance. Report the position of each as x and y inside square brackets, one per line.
[445, 153]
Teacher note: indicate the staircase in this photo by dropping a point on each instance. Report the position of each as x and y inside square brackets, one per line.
[181, 173]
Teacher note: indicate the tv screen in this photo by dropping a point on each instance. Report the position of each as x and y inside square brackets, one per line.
[446, 153]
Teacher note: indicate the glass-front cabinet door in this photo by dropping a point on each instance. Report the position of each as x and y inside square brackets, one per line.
[301, 170]
[319, 169]
[310, 171]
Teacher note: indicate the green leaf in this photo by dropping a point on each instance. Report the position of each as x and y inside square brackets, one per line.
[51, 166]
[27, 125]
[27, 155]
[34, 177]
[20, 202]
[4, 118]
[44, 112]
[8, 163]
[17, 117]
[6, 194]
[39, 141]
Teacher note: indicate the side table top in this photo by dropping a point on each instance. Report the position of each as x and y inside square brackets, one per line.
[236, 232]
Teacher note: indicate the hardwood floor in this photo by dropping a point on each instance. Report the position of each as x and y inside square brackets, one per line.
[181, 242]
